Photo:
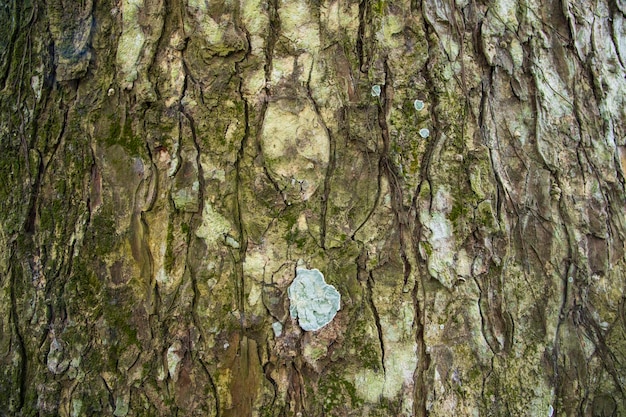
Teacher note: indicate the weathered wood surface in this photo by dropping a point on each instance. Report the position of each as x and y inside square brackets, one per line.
[166, 165]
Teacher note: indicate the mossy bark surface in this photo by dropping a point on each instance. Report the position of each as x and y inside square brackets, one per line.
[166, 166]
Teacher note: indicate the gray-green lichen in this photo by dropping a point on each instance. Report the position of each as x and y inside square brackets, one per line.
[311, 300]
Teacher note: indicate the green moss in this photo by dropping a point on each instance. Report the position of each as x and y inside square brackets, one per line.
[485, 217]
[367, 351]
[121, 331]
[103, 234]
[294, 237]
[459, 210]
[427, 247]
[122, 134]
[378, 7]
[84, 288]
[336, 393]
[115, 130]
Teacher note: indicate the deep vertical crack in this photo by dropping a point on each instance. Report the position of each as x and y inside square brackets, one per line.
[423, 363]
[15, 19]
[360, 41]
[213, 387]
[270, 44]
[331, 161]
[243, 238]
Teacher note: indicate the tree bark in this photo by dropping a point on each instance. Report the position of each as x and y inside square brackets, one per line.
[454, 169]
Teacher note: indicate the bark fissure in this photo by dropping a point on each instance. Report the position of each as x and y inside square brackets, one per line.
[363, 13]
[331, 162]
[243, 238]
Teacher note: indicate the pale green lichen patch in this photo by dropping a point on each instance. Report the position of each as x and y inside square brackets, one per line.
[340, 18]
[296, 147]
[214, 226]
[254, 17]
[391, 27]
[369, 385]
[186, 199]
[298, 28]
[130, 43]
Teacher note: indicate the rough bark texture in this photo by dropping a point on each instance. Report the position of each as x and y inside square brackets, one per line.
[166, 164]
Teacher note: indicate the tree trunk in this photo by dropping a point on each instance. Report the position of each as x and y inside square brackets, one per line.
[454, 169]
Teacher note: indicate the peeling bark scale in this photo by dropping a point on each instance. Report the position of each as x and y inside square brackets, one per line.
[455, 170]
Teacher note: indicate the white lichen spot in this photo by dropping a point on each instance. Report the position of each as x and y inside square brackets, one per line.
[517, 53]
[277, 327]
[439, 246]
[424, 133]
[302, 223]
[232, 242]
[312, 301]
[36, 85]
[400, 366]
[254, 264]
[77, 407]
[463, 265]
[56, 364]
[160, 372]
[376, 90]
[121, 406]
[162, 277]
[174, 161]
[173, 359]
[418, 105]
[186, 199]
[252, 16]
[255, 294]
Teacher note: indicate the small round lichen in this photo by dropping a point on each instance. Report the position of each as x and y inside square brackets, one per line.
[424, 133]
[418, 104]
[376, 90]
